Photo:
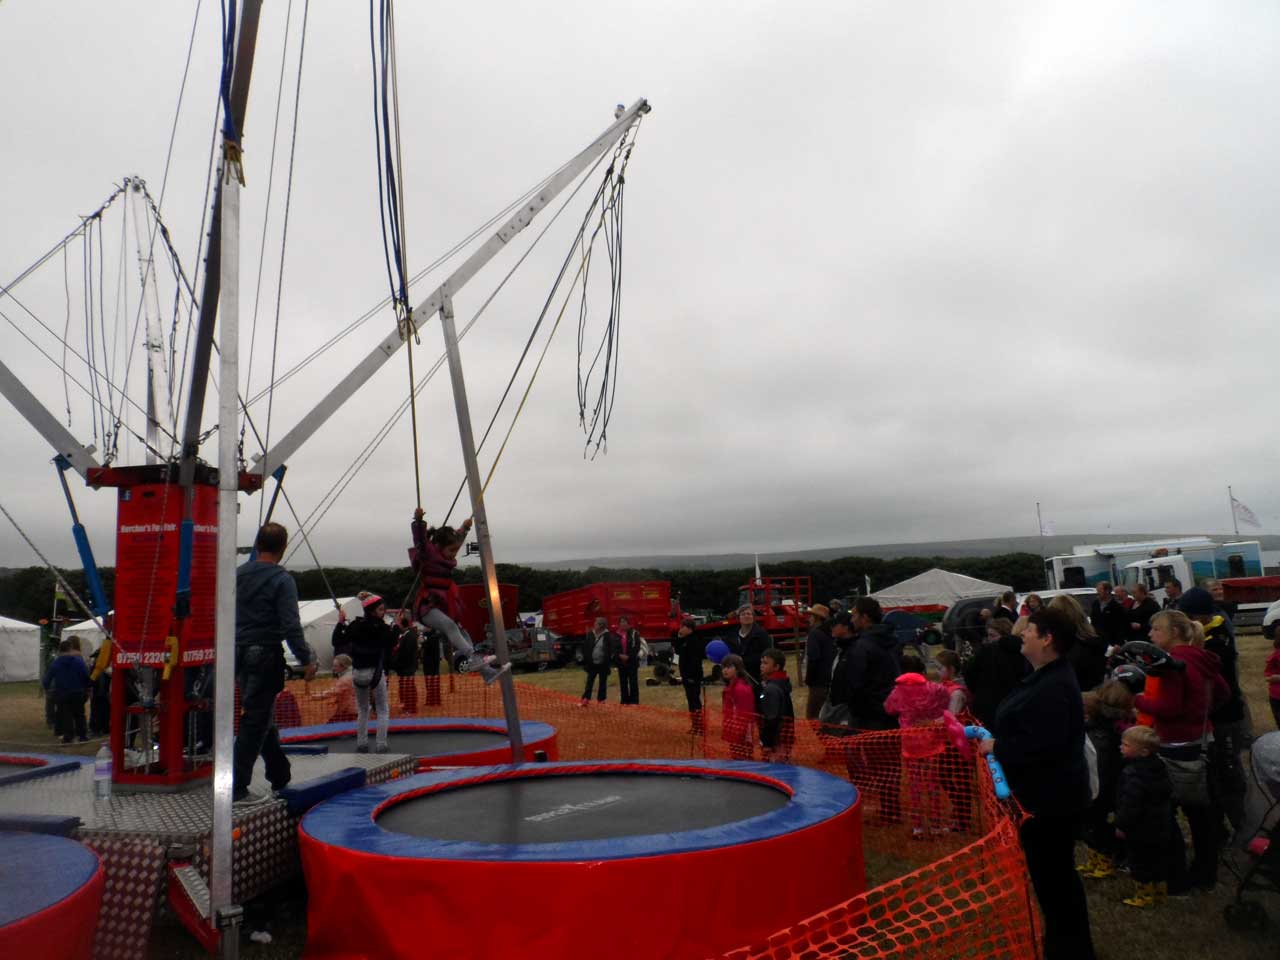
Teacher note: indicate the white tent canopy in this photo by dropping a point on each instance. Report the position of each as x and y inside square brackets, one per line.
[936, 586]
[318, 618]
[87, 632]
[19, 651]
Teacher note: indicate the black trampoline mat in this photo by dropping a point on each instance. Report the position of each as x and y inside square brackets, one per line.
[423, 743]
[556, 809]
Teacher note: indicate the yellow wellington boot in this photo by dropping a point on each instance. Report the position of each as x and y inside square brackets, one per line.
[1103, 868]
[1144, 895]
[1090, 862]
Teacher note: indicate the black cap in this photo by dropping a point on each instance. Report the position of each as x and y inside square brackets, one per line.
[843, 618]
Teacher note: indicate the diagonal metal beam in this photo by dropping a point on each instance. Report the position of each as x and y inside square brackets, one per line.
[366, 368]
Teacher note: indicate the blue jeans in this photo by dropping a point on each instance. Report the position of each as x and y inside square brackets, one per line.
[260, 677]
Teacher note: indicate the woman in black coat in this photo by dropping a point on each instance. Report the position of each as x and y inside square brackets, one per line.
[1039, 740]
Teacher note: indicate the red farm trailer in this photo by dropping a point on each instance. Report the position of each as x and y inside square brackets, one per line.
[648, 603]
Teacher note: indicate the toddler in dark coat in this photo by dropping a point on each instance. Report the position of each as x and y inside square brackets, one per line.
[1144, 816]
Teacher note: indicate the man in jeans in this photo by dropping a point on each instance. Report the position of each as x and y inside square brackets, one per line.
[266, 615]
[598, 650]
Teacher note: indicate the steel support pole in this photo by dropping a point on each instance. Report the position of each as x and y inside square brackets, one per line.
[478, 514]
[228, 482]
[202, 350]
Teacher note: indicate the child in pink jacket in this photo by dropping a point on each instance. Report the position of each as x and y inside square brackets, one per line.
[919, 704]
[739, 708]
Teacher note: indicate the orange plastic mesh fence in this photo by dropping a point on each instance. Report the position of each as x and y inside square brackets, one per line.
[942, 850]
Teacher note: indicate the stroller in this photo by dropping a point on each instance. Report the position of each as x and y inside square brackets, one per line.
[1263, 869]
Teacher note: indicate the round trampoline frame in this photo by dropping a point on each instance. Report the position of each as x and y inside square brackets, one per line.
[537, 737]
[51, 901]
[531, 899]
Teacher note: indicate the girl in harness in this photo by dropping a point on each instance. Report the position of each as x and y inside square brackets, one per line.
[438, 604]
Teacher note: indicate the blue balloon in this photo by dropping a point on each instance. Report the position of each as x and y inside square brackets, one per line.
[717, 650]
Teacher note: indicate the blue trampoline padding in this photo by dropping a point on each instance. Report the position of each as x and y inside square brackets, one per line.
[38, 871]
[531, 730]
[348, 820]
[305, 749]
[20, 767]
[54, 824]
[301, 797]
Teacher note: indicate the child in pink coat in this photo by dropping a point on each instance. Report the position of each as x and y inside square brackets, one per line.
[919, 704]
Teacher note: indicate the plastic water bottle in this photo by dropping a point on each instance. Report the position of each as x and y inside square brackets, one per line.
[102, 773]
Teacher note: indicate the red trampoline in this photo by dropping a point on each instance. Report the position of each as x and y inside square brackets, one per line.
[50, 893]
[435, 741]
[530, 861]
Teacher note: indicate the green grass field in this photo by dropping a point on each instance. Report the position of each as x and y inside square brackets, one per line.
[1182, 929]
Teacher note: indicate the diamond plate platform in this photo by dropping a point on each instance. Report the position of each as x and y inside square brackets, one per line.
[132, 833]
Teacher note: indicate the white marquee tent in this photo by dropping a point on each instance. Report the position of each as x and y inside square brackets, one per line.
[19, 651]
[936, 586]
[318, 618]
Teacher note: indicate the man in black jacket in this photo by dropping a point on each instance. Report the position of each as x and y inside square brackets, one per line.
[819, 655]
[628, 661]
[750, 643]
[872, 668]
[599, 649]
[1007, 608]
[690, 651]
[1109, 617]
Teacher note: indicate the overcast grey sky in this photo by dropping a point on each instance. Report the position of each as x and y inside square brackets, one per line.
[894, 271]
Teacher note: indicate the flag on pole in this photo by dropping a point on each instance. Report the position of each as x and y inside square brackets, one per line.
[1243, 514]
[759, 579]
[1047, 528]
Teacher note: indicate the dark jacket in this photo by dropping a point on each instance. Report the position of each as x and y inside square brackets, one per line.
[690, 652]
[371, 642]
[751, 648]
[996, 668]
[610, 651]
[406, 651]
[1111, 620]
[267, 609]
[1141, 614]
[1220, 639]
[870, 676]
[1039, 734]
[777, 715]
[1144, 803]
[634, 640]
[819, 655]
[1089, 657]
[67, 674]
[1103, 731]
[1002, 612]
[339, 639]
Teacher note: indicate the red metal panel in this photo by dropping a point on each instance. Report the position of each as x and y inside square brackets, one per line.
[646, 602]
[475, 608]
[147, 532]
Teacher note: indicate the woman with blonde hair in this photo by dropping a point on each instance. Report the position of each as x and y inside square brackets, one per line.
[1180, 711]
[1089, 656]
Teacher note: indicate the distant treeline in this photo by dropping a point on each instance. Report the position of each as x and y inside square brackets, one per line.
[27, 594]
